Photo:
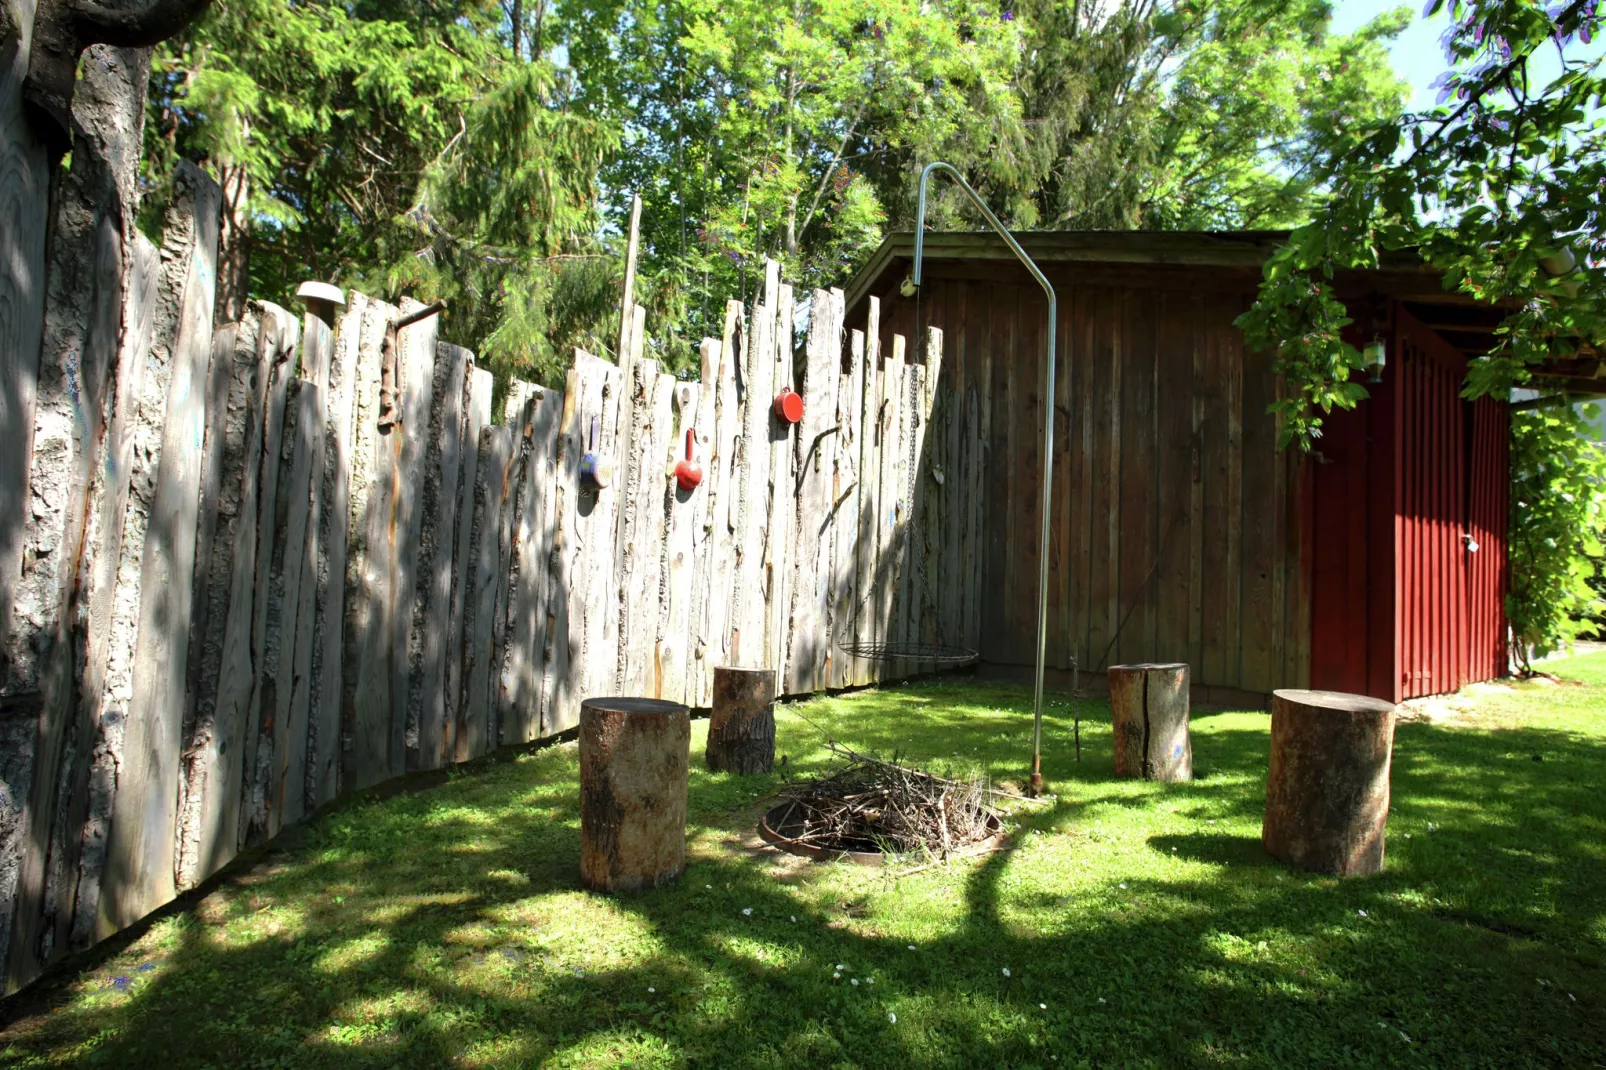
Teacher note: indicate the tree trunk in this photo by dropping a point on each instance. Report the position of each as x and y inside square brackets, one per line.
[1327, 793]
[234, 249]
[1149, 713]
[741, 729]
[634, 757]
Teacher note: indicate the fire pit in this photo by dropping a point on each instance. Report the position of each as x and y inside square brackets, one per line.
[871, 808]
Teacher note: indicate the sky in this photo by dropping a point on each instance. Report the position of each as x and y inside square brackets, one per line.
[1417, 55]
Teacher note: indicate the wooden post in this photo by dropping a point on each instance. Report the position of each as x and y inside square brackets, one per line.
[634, 758]
[1327, 792]
[741, 729]
[1149, 711]
[627, 319]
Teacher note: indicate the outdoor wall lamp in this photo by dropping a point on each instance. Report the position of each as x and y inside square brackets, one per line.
[1375, 356]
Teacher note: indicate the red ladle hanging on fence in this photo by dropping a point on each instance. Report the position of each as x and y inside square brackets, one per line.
[789, 405]
[688, 473]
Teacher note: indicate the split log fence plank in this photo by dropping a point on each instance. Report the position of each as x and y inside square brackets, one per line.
[673, 655]
[750, 612]
[370, 557]
[415, 367]
[432, 608]
[642, 527]
[816, 440]
[477, 417]
[1141, 539]
[702, 528]
[518, 396]
[925, 606]
[865, 560]
[559, 682]
[481, 671]
[305, 476]
[717, 557]
[846, 491]
[779, 539]
[139, 850]
[886, 558]
[529, 572]
[325, 698]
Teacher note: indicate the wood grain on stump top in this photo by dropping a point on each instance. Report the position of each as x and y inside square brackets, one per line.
[1327, 788]
[634, 759]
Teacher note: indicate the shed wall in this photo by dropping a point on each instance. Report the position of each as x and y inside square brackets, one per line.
[1176, 522]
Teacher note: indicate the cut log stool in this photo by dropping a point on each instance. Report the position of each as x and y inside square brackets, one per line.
[1149, 713]
[741, 726]
[1327, 793]
[634, 759]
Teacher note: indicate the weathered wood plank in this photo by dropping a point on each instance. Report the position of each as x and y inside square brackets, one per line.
[432, 609]
[1260, 635]
[674, 632]
[641, 527]
[750, 613]
[1223, 510]
[846, 525]
[951, 505]
[1197, 347]
[79, 834]
[998, 643]
[519, 394]
[529, 572]
[486, 605]
[925, 606]
[139, 852]
[477, 417]
[817, 441]
[780, 540]
[260, 346]
[865, 553]
[410, 584]
[299, 483]
[560, 686]
[586, 575]
[712, 612]
[1174, 479]
[1141, 540]
[325, 694]
[258, 718]
[370, 556]
[64, 378]
[702, 528]
[888, 552]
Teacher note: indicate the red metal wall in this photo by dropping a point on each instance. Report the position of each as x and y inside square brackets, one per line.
[1401, 605]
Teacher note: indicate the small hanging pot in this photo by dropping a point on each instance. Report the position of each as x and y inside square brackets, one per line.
[688, 473]
[789, 405]
[596, 471]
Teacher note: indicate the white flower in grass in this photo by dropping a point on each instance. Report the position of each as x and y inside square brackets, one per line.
[1101, 999]
[892, 1017]
[1403, 1036]
[854, 981]
[1042, 1006]
[747, 912]
[1121, 886]
[840, 966]
[1006, 971]
[869, 980]
[1362, 913]
[911, 947]
[794, 918]
[652, 990]
[836, 977]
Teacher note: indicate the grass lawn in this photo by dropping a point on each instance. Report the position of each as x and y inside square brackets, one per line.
[1131, 924]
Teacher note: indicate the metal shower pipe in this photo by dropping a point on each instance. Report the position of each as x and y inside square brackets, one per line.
[1048, 432]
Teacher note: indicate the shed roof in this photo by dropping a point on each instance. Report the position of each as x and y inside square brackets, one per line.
[1463, 321]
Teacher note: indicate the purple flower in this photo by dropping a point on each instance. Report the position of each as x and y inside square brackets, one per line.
[120, 983]
[1009, 16]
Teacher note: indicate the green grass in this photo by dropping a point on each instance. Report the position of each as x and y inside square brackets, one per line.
[1141, 925]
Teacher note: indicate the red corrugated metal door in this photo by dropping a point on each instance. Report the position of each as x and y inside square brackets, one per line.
[1451, 498]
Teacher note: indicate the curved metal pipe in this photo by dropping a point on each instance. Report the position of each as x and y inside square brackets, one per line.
[1048, 432]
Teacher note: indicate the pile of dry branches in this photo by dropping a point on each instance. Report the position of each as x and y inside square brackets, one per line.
[874, 805]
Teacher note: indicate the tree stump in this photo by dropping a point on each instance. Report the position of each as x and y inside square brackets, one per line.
[1327, 793]
[634, 758]
[741, 727]
[1149, 712]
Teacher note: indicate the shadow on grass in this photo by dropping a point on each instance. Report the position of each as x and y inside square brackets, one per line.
[448, 927]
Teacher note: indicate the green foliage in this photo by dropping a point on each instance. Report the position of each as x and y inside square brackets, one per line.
[1558, 516]
[389, 146]
[1498, 188]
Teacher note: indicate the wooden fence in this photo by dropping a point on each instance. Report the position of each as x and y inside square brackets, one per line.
[268, 563]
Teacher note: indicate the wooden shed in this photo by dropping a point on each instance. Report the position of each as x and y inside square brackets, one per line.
[1180, 532]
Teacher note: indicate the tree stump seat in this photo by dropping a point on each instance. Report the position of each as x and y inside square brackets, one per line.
[1149, 719]
[741, 724]
[634, 764]
[1327, 788]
